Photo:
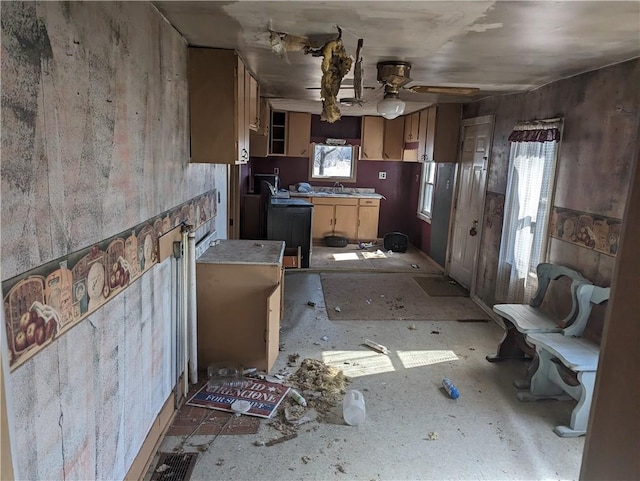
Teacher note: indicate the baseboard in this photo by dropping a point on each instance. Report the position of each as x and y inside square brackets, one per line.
[141, 463]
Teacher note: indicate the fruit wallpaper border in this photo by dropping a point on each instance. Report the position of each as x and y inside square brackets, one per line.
[45, 302]
[596, 232]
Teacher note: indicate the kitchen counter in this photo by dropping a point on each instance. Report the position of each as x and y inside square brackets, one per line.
[243, 252]
[349, 195]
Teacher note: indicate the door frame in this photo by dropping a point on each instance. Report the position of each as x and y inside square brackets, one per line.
[483, 119]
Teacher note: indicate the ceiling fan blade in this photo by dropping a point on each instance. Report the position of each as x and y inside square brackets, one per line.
[427, 89]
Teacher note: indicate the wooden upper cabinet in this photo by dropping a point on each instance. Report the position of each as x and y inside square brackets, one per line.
[298, 134]
[411, 127]
[217, 108]
[442, 132]
[372, 138]
[253, 98]
[265, 117]
[393, 139]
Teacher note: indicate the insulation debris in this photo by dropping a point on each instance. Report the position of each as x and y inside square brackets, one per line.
[335, 65]
[315, 376]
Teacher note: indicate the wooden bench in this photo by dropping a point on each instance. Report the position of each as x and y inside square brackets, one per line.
[522, 319]
[560, 352]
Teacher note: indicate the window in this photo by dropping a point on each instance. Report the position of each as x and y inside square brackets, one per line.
[532, 164]
[333, 162]
[426, 190]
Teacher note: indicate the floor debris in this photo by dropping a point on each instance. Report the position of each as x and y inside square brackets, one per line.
[412, 327]
[435, 332]
[375, 346]
[432, 436]
[293, 358]
[337, 309]
[282, 439]
[311, 304]
[306, 459]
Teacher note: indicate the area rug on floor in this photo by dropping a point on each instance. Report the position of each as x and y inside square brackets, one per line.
[261, 397]
[393, 297]
[441, 287]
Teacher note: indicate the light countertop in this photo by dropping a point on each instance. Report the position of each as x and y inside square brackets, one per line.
[243, 252]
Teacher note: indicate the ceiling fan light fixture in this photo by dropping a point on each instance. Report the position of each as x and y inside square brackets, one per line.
[390, 107]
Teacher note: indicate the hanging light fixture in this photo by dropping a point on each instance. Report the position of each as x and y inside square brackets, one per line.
[391, 106]
[393, 75]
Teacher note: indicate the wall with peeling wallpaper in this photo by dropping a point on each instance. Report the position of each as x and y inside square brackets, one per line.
[94, 142]
[596, 157]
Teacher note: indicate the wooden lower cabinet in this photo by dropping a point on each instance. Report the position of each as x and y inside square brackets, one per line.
[240, 287]
[368, 214]
[353, 218]
[322, 220]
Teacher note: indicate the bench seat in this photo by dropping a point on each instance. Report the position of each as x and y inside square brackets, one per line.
[526, 318]
[563, 350]
[521, 319]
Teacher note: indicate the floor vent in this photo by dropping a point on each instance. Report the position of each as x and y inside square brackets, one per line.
[174, 467]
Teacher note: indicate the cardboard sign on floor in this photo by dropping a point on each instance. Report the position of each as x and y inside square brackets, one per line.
[264, 397]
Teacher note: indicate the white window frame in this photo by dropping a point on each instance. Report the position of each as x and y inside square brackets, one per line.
[354, 163]
[427, 190]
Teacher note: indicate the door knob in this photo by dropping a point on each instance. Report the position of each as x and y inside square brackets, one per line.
[474, 230]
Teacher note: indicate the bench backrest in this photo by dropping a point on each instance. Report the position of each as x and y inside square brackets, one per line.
[548, 272]
[588, 295]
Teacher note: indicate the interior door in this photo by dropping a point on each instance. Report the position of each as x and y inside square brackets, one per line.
[472, 178]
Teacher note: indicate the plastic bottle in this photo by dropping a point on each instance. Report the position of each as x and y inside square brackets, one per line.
[451, 389]
[297, 397]
[353, 408]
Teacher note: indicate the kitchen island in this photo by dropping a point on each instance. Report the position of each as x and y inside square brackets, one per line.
[240, 287]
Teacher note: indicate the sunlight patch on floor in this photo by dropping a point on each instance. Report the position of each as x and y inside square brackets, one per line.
[358, 363]
[411, 359]
[347, 256]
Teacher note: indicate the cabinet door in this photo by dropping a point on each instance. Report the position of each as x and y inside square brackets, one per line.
[213, 92]
[446, 133]
[264, 112]
[368, 222]
[298, 134]
[242, 113]
[272, 334]
[346, 221]
[322, 220]
[372, 138]
[411, 123]
[393, 139]
[431, 133]
[253, 98]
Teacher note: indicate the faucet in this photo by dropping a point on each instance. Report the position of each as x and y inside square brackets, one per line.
[336, 185]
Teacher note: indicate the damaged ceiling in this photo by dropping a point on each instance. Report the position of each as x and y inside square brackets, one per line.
[497, 47]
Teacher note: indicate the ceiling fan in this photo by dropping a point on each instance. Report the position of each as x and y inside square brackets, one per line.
[394, 76]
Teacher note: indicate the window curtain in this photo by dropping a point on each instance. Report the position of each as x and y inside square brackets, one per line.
[532, 159]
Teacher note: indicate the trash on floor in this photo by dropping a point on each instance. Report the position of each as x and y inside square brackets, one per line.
[451, 389]
[315, 377]
[324, 338]
[375, 346]
[264, 397]
[282, 439]
[297, 397]
[337, 309]
[412, 327]
[435, 332]
[311, 304]
[292, 358]
[432, 436]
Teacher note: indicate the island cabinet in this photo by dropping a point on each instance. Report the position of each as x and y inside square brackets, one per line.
[219, 106]
[240, 286]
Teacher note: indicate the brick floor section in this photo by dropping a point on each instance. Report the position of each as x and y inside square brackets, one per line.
[213, 422]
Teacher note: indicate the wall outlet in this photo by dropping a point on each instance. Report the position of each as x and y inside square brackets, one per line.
[276, 170]
[382, 175]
